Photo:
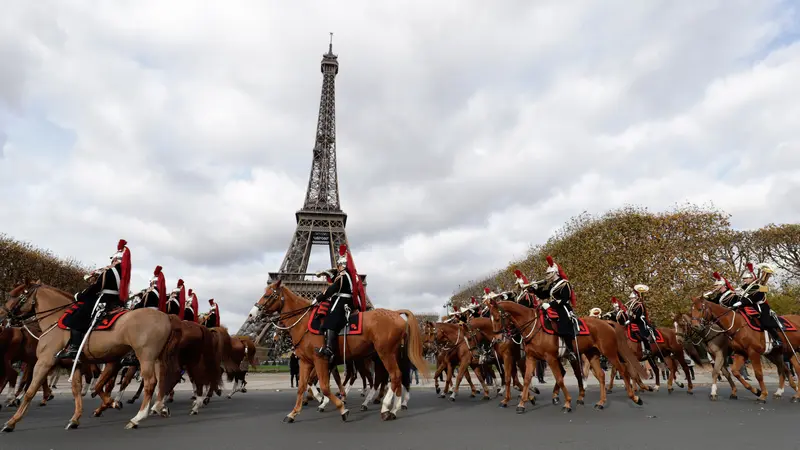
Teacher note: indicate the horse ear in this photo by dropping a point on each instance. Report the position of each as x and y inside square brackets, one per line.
[278, 283]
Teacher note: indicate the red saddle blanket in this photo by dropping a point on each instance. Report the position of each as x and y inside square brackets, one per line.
[549, 327]
[354, 325]
[751, 314]
[632, 330]
[104, 323]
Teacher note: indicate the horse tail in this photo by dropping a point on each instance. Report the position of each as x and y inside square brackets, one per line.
[212, 360]
[226, 352]
[626, 353]
[414, 348]
[169, 356]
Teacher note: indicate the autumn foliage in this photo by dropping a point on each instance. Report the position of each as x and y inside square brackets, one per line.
[21, 261]
[673, 252]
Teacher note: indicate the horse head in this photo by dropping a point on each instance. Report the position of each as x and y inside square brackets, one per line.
[21, 302]
[269, 303]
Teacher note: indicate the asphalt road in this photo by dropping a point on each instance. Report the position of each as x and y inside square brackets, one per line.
[253, 421]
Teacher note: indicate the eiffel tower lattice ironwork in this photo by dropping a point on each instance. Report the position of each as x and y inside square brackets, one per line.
[321, 221]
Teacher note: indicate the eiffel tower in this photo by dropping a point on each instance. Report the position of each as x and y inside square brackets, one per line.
[321, 221]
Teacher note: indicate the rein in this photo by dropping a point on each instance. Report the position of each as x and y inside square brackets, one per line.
[509, 330]
[281, 317]
[23, 320]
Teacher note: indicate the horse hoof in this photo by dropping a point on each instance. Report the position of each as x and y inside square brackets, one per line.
[363, 407]
[438, 390]
[71, 425]
[580, 402]
[7, 428]
[486, 397]
[345, 414]
[244, 391]
[533, 401]
[758, 393]
[116, 405]
[441, 395]
[639, 402]
[556, 400]
[608, 391]
[131, 426]
[42, 403]
[536, 390]
[502, 405]
[566, 409]
[192, 413]
[305, 403]
[384, 416]
[206, 401]
[229, 396]
[131, 401]
[795, 400]
[761, 401]
[689, 393]
[165, 412]
[776, 396]
[734, 397]
[599, 406]
[97, 413]
[321, 410]
[452, 399]
[288, 419]
[170, 400]
[520, 410]
[680, 385]
[94, 394]
[472, 395]
[669, 391]
[713, 398]
[405, 407]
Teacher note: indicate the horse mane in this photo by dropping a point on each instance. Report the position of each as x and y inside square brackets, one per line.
[18, 289]
[286, 291]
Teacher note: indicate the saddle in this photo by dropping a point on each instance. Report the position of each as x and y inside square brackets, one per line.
[549, 326]
[751, 317]
[632, 330]
[354, 324]
[105, 322]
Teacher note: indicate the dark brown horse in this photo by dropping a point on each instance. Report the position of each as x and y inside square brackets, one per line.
[460, 341]
[384, 332]
[600, 338]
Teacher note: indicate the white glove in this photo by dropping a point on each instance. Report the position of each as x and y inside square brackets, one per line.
[545, 306]
[737, 304]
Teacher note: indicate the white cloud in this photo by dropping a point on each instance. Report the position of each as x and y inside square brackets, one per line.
[465, 131]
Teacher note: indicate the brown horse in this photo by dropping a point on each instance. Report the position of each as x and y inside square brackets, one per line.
[600, 339]
[461, 341]
[747, 343]
[384, 332]
[717, 345]
[669, 349]
[146, 331]
[508, 351]
[18, 345]
[243, 356]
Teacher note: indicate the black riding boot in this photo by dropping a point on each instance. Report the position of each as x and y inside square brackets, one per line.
[71, 351]
[775, 337]
[569, 343]
[330, 343]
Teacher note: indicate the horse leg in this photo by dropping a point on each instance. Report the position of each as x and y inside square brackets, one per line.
[148, 373]
[473, 391]
[508, 364]
[478, 369]
[109, 373]
[796, 365]
[715, 370]
[755, 359]
[611, 377]
[738, 363]
[672, 366]
[657, 373]
[394, 394]
[524, 397]
[323, 373]
[576, 368]
[47, 394]
[597, 370]
[40, 370]
[463, 367]
[126, 381]
[686, 370]
[615, 362]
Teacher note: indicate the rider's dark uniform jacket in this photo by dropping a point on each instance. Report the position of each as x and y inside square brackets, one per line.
[339, 294]
[105, 289]
[755, 295]
[558, 295]
[638, 314]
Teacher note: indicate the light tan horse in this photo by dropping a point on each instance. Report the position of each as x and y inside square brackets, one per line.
[384, 332]
[148, 332]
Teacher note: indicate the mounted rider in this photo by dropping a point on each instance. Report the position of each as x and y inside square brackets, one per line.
[109, 290]
[156, 293]
[637, 310]
[345, 293]
[526, 296]
[178, 298]
[212, 320]
[618, 313]
[556, 291]
[723, 293]
[189, 309]
[754, 293]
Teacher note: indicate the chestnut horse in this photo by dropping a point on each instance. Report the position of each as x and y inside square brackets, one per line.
[670, 350]
[243, 356]
[16, 344]
[384, 332]
[747, 343]
[717, 345]
[148, 332]
[602, 339]
[460, 340]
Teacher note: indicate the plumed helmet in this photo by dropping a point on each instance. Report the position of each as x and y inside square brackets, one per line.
[342, 259]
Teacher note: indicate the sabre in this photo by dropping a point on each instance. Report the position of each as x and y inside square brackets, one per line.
[96, 311]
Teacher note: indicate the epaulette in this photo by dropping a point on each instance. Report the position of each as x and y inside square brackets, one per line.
[763, 288]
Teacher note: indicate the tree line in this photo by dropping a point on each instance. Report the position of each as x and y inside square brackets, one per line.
[674, 252]
[22, 261]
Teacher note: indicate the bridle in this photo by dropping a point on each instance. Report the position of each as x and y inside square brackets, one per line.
[708, 324]
[277, 317]
[509, 330]
[15, 316]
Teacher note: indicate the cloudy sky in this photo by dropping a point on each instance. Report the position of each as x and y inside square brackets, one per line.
[467, 130]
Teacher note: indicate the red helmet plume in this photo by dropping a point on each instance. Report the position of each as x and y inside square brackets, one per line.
[125, 272]
[521, 276]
